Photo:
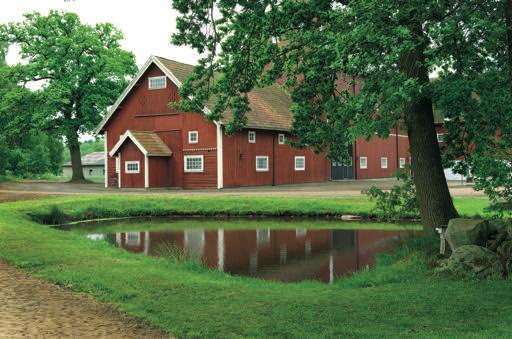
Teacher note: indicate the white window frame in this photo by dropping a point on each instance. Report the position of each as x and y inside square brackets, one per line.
[190, 134]
[440, 137]
[403, 161]
[118, 164]
[384, 165]
[251, 137]
[134, 242]
[256, 165]
[263, 236]
[157, 78]
[193, 170]
[127, 163]
[361, 166]
[281, 138]
[295, 163]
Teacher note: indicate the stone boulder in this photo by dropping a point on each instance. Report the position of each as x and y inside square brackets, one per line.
[461, 232]
[472, 261]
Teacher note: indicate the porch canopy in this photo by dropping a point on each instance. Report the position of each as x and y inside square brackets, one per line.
[149, 143]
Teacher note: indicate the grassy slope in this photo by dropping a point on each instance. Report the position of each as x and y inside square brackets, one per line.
[402, 299]
[90, 207]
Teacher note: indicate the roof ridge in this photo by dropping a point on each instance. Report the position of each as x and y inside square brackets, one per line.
[178, 62]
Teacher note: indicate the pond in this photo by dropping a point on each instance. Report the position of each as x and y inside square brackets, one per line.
[283, 250]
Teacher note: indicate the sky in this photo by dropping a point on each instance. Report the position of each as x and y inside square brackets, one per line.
[147, 24]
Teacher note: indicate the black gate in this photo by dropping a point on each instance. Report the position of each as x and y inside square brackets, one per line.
[340, 171]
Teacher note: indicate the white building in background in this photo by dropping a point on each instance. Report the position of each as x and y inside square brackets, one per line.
[93, 165]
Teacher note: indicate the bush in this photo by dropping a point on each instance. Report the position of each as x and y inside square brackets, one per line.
[395, 204]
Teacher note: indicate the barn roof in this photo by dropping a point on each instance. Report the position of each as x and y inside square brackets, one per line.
[91, 159]
[270, 106]
[149, 143]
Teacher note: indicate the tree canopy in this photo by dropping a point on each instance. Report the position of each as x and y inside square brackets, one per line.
[79, 70]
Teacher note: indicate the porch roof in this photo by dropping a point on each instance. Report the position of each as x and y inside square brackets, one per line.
[149, 143]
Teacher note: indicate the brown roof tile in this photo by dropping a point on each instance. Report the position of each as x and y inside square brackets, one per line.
[151, 143]
[270, 106]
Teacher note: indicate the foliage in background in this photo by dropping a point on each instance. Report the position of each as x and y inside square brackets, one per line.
[474, 94]
[397, 203]
[25, 149]
[79, 71]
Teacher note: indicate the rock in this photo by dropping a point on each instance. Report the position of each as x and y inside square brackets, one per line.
[472, 261]
[462, 232]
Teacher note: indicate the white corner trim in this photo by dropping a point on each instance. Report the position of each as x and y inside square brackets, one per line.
[105, 142]
[220, 155]
[121, 141]
[146, 171]
[119, 172]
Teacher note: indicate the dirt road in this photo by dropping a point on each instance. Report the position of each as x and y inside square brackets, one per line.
[32, 308]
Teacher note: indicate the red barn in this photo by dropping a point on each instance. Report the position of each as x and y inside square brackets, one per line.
[149, 144]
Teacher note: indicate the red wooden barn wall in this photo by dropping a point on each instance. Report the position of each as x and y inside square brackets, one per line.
[239, 161]
[130, 152]
[147, 110]
[377, 148]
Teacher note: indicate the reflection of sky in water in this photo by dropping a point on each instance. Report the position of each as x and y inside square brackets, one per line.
[285, 255]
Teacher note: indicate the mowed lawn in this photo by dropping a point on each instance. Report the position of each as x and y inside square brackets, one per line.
[399, 298]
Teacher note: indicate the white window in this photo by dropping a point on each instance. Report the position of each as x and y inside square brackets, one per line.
[157, 82]
[132, 167]
[281, 138]
[193, 137]
[383, 162]
[440, 137]
[193, 163]
[118, 164]
[263, 236]
[363, 162]
[300, 163]
[132, 238]
[261, 164]
[252, 137]
[402, 162]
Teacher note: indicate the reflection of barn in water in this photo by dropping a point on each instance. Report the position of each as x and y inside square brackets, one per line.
[286, 255]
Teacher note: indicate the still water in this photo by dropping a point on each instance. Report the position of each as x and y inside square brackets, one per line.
[260, 249]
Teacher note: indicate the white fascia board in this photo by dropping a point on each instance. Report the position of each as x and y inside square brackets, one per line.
[121, 141]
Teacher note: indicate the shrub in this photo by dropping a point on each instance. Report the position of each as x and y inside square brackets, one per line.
[397, 203]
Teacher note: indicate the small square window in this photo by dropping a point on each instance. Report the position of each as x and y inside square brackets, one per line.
[252, 137]
[440, 137]
[383, 162]
[281, 139]
[261, 164]
[193, 137]
[132, 167]
[402, 162]
[157, 82]
[300, 163]
[193, 163]
[363, 162]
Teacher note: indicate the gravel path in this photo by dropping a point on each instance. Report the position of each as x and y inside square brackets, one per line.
[33, 308]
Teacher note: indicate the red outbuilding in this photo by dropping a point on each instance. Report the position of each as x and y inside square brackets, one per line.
[150, 144]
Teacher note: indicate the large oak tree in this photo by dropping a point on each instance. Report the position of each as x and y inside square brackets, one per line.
[392, 47]
[78, 70]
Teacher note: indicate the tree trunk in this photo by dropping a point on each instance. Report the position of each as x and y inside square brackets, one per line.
[434, 199]
[76, 159]
[508, 20]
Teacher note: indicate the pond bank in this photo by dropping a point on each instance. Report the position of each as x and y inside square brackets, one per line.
[186, 300]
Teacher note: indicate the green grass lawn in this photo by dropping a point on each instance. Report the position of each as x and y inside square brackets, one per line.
[399, 298]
